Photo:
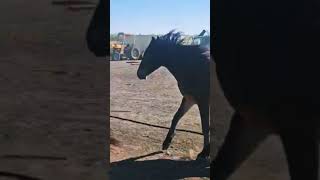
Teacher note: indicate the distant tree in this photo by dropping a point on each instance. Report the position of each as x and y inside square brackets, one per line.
[113, 37]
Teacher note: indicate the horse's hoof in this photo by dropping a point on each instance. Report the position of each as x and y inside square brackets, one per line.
[166, 142]
[206, 158]
[203, 156]
[165, 145]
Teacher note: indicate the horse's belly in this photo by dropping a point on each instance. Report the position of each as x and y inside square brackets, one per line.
[299, 115]
[195, 85]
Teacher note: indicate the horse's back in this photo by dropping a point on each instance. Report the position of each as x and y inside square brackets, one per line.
[272, 54]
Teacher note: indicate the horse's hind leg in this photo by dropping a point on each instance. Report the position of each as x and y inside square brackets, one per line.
[185, 105]
[302, 154]
[204, 113]
[240, 142]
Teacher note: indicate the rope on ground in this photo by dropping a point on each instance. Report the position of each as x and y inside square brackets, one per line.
[19, 156]
[156, 126]
[18, 176]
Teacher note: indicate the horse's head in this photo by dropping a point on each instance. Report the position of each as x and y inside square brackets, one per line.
[158, 53]
[151, 60]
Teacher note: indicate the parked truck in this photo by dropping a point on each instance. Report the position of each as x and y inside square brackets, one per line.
[203, 39]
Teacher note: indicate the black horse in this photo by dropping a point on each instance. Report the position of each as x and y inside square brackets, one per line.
[265, 61]
[190, 67]
[97, 33]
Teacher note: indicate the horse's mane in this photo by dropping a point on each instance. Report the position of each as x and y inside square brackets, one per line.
[172, 37]
[175, 39]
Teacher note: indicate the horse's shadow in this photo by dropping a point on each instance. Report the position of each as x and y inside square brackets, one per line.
[158, 169]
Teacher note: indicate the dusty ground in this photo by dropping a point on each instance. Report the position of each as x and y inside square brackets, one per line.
[155, 101]
[53, 94]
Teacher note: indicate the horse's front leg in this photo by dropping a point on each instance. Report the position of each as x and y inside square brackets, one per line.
[185, 105]
[204, 114]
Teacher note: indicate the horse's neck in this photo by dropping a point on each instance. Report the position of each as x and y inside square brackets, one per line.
[177, 65]
[174, 70]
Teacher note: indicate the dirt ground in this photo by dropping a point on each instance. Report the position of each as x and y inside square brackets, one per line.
[53, 94]
[154, 101]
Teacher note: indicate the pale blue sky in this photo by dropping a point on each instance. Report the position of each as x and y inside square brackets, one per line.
[159, 16]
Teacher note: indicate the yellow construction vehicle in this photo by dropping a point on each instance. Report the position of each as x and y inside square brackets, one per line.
[117, 50]
[129, 46]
